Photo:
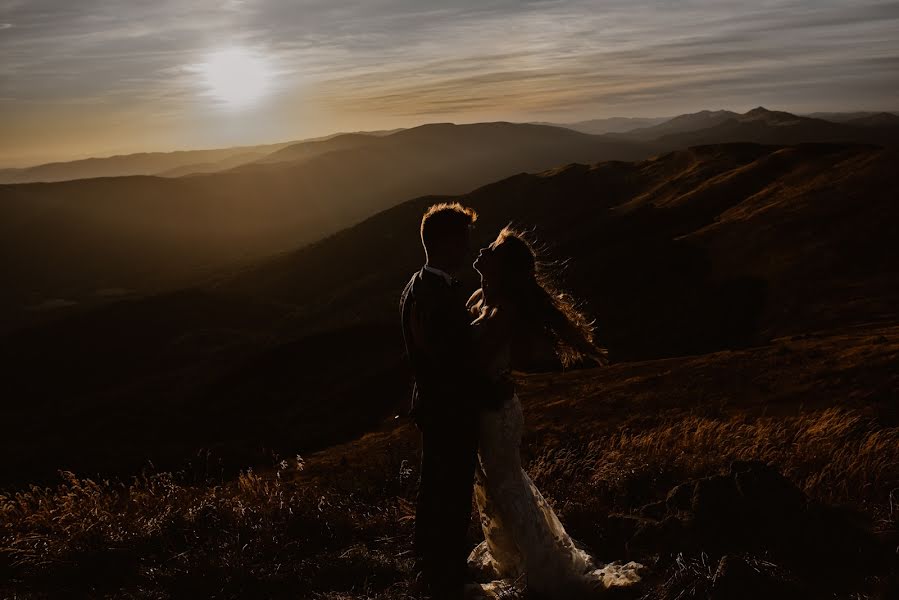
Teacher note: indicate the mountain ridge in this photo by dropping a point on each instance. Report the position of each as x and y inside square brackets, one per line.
[673, 273]
[144, 233]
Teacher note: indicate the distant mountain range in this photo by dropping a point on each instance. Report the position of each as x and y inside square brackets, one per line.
[689, 252]
[191, 162]
[84, 242]
[843, 117]
[163, 164]
[71, 242]
[148, 163]
[612, 124]
[764, 126]
[654, 128]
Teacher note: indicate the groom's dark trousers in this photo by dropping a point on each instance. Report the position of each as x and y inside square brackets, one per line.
[445, 407]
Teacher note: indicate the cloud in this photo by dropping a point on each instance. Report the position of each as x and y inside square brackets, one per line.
[386, 62]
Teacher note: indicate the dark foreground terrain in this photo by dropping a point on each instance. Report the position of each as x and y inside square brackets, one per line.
[691, 252]
[744, 441]
[770, 472]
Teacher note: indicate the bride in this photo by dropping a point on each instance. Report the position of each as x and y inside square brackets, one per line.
[524, 541]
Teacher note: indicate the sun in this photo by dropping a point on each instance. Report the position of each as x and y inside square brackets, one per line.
[236, 77]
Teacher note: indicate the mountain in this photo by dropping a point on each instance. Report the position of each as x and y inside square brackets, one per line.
[883, 119]
[306, 150]
[654, 230]
[682, 123]
[711, 248]
[764, 126]
[70, 242]
[840, 117]
[614, 124]
[145, 163]
[213, 167]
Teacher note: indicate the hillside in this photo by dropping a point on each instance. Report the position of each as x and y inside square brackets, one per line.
[214, 166]
[841, 117]
[708, 234]
[306, 150]
[614, 124]
[763, 126]
[681, 124]
[145, 234]
[117, 237]
[744, 441]
[604, 445]
[143, 163]
[687, 253]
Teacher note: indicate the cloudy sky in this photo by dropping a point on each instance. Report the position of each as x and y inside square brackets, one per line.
[99, 77]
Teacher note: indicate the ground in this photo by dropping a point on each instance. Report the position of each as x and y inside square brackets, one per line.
[607, 446]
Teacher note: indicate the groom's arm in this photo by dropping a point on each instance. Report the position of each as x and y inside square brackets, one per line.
[444, 325]
[460, 354]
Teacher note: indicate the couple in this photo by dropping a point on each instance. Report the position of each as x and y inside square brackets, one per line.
[462, 350]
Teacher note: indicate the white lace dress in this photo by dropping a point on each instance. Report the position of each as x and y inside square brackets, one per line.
[525, 545]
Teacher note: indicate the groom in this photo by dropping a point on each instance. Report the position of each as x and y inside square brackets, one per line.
[446, 397]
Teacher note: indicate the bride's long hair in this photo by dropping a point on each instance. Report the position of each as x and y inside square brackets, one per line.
[527, 282]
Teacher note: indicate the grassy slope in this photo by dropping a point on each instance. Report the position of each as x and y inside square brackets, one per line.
[821, 408]
[695, 251]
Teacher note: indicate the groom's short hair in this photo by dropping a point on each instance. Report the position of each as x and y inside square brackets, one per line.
[445, 221]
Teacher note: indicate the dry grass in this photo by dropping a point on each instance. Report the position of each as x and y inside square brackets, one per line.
[834, 455]
[268, 537]
[157, 534]
[339, 526]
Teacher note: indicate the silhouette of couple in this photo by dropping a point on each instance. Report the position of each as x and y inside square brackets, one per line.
[461, 349]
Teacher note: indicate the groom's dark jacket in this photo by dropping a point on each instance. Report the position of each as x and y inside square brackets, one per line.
[438, 342]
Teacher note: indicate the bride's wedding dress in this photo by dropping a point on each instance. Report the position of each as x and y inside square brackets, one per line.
[525, 543]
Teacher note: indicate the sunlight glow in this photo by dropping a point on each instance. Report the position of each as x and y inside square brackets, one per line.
[236, 77]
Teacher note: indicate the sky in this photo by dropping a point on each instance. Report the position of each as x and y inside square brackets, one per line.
[101, 77]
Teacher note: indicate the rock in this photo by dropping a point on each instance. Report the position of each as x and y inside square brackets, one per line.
[754, 510]
[716, 502]
[681, 496]
[766, 491]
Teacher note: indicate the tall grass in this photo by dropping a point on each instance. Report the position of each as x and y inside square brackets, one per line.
[348, 535]
[834, 455]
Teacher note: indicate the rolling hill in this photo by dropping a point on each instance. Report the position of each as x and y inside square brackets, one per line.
[144, 163]
[764, 126]
[614, 124]
[110, 237]
[681, 124]
[694, 251]
[841, 117]
[69, 242]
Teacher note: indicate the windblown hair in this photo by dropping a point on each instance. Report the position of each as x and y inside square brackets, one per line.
[446, 220]
[540, 303]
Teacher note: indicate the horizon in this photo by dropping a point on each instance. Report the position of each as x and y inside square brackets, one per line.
[295, 140]
[171, 78]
